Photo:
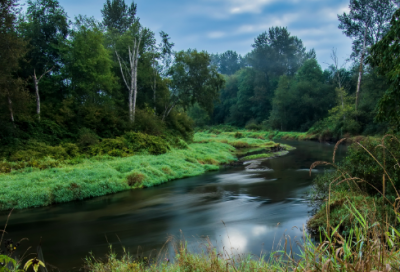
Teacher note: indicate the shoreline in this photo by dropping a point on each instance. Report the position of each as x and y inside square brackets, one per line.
[99, 176]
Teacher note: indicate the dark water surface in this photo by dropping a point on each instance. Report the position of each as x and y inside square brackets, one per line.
[258, 208]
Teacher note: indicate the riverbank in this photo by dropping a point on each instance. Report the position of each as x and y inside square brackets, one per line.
[286, 135]
[102, 175]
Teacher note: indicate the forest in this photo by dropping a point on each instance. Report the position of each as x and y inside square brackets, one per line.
[76, 82]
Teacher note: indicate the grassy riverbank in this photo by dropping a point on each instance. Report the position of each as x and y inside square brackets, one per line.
[103, 174]
[283, 135]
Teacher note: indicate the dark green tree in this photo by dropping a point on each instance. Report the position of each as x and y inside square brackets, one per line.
[88, 63]
[12, 50]
[229, 62]
[118, 16]
[303, 100]
[276, 52]
[193, 80]
[385, 56]
[45, 29]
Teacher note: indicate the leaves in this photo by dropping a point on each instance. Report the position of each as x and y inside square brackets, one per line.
[35, 263]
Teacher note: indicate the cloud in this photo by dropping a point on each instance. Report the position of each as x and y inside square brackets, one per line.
[283, 20]
[216, 34]
[246, 6]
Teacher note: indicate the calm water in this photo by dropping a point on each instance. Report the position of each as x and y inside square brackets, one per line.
[258, 207]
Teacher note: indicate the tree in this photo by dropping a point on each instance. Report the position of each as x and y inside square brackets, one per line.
[229, 62]
[276, 52]
[161, 53]
[366, 23]
[45, 29]
[385, 56]
[88, 63]
[303, 100]
[129, 71]
[193, 79]
[12, 49]
[118, 16]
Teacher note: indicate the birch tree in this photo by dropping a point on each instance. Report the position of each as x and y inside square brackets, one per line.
[367, 22]
[37, 93]
[129, 71]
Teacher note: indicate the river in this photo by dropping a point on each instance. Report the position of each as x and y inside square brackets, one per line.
[248, 211]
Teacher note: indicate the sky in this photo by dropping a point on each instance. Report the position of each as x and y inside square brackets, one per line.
[220, 25]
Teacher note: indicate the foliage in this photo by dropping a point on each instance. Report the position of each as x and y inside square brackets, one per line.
[117, 15]
[97, 176]
[193, 80]
[384, 55]
[300, 102]
[368, 18]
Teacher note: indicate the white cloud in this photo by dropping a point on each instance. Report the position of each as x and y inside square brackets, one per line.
[248, 6]
[216, 34]
[283, 20]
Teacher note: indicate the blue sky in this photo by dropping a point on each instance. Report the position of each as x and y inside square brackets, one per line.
[220, 25]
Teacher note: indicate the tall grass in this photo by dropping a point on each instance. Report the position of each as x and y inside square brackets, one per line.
[99, 176]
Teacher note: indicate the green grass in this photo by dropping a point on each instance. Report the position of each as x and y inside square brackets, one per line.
[98, 176]
[81, 178]
[264, 156]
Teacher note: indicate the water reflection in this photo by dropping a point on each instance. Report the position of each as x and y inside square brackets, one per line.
[257, 207]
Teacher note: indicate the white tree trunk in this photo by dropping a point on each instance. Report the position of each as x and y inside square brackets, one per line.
[131, 73]
[36, 82]
[360, 72]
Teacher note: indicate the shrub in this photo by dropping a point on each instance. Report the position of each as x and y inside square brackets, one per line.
[253, 126]
[114, 147]
[71, 149]
[86, 139]
[135, 179]
[143, 142]
[238, 135]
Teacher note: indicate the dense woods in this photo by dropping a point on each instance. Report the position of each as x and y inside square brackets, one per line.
[68, 82]
[279, 85]
[64, 82]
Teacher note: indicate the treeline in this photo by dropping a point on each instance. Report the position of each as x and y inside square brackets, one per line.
[62, 81]
[279, 85]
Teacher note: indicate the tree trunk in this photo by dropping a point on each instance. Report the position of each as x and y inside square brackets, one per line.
[360, 72]
[154, 86]
[36, 82]
[132, 73]
[136, 59]
[11, 109]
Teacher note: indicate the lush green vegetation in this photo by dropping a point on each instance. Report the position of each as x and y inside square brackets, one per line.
[101, 175]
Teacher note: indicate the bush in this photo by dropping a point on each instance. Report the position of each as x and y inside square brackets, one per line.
[34, 150]
[135, 179]
[114, 147]
[143, 142]
[238, 135]
[86, 139]
[362, 165]
[71, 149]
